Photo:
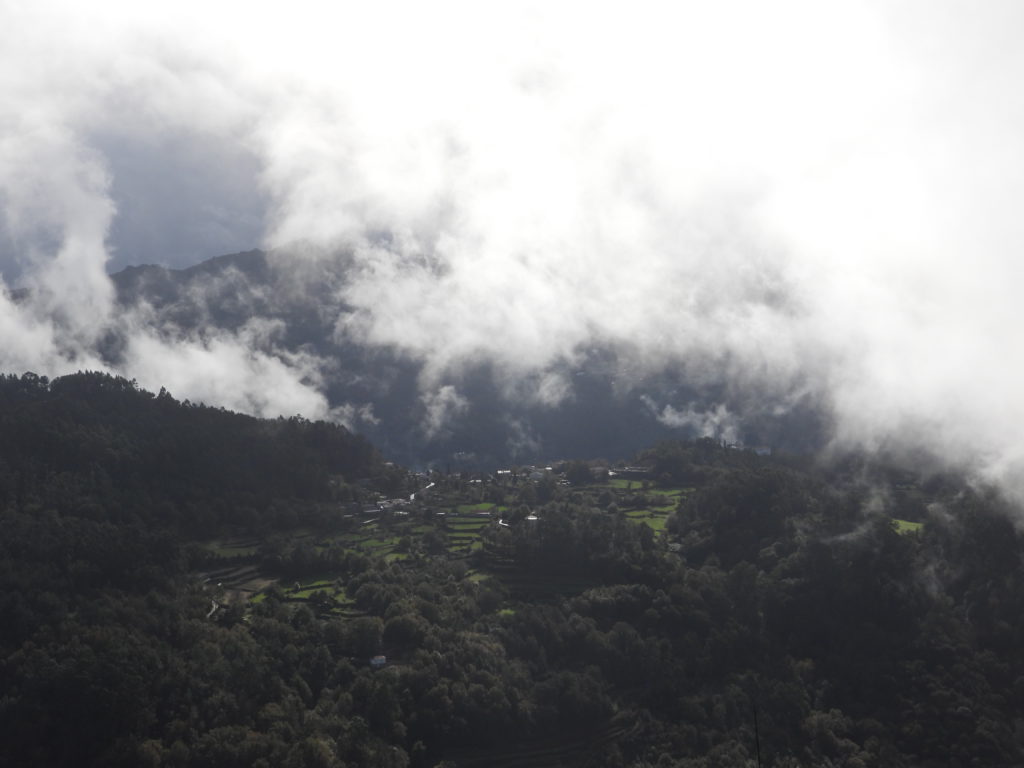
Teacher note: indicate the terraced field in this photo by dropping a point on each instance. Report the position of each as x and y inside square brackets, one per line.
[655, 515]
[328, 594]
[394, 538]
[375, 536]
[906, 526]
[237, 582]
[484, 506]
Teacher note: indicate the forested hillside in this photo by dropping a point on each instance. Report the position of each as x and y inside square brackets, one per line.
[97, 446]
[860, 614]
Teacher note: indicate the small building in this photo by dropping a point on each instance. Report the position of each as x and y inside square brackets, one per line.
[378, 661]
[631, 473]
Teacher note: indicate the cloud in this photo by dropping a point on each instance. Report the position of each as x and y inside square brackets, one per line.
[801, 199]
[521, 440]
[227, 372]
[440, 406]
[717, 423]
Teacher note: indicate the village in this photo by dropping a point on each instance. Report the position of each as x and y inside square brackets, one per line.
[467, 519]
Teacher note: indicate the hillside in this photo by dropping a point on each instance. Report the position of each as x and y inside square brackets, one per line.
[95, 444]
[610, 408]
[577, 616]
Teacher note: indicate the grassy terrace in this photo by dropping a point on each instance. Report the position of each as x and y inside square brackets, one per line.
[670, 492]
[451, 522]
[661, 502]
[305, 590]
[483, 506]
[379, 537]
[637, 486]
[653, 518]
[906, 526]
[466, 526]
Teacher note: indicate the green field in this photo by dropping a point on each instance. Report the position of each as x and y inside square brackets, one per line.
[483, 506]
[654, 518]
[305, 594]
[671, 492]
[624, 484]
[665, 508]
[466, 526]
[905, 526]
[657, 522]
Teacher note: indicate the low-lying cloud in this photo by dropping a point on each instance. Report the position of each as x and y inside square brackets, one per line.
[797, 198]
[717, 423]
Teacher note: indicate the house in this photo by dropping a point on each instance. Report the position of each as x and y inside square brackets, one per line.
[378, 662]
[422, 492]
[631, 473]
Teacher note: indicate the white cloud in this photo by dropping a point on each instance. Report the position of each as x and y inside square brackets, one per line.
[440, 407]
[227, 371]
[716, 422]
[799, 196]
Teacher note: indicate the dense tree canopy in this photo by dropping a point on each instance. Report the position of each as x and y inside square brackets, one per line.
[575, 634]
[96, 444]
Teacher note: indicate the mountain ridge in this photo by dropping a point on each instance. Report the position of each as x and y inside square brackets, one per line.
[604, 414]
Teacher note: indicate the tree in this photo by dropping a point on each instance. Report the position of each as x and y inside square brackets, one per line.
[578, 473]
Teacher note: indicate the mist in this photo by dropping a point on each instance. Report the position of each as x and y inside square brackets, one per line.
[800, 200]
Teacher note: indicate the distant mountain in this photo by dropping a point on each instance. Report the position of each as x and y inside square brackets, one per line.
[600, 418]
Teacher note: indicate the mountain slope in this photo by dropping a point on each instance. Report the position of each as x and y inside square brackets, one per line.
[95, 440]
[472, 416]
[580, 632]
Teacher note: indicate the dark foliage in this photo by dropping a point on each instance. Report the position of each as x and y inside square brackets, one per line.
[94, 445]
[582, 638]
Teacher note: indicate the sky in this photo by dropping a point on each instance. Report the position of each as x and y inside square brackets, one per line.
[807, 199]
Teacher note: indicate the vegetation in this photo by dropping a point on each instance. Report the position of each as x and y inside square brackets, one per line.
[905, 526]
[182, 586]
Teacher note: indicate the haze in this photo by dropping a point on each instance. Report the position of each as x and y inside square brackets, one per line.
[813, 200]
